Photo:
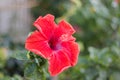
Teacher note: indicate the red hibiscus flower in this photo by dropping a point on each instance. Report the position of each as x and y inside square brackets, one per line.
[54, 42]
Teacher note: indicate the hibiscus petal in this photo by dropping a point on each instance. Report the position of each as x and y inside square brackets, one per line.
[58, 62]
[66, 37]
[38, 44]
[64, 28]
[45, 25]
[72, 50]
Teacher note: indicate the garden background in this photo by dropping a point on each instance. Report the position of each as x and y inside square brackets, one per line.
[97, 25]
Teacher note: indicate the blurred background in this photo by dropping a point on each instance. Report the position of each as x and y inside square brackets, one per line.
[97, 25]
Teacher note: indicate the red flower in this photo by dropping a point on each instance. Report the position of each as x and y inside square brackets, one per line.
[55, 43]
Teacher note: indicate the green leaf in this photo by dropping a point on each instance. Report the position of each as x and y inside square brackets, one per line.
[20, 55]
[33, 72]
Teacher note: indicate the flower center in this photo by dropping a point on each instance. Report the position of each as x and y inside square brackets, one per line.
[54, 44]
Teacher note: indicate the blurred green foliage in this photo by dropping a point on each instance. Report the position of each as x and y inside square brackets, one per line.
[97, 25]
[55, 7]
